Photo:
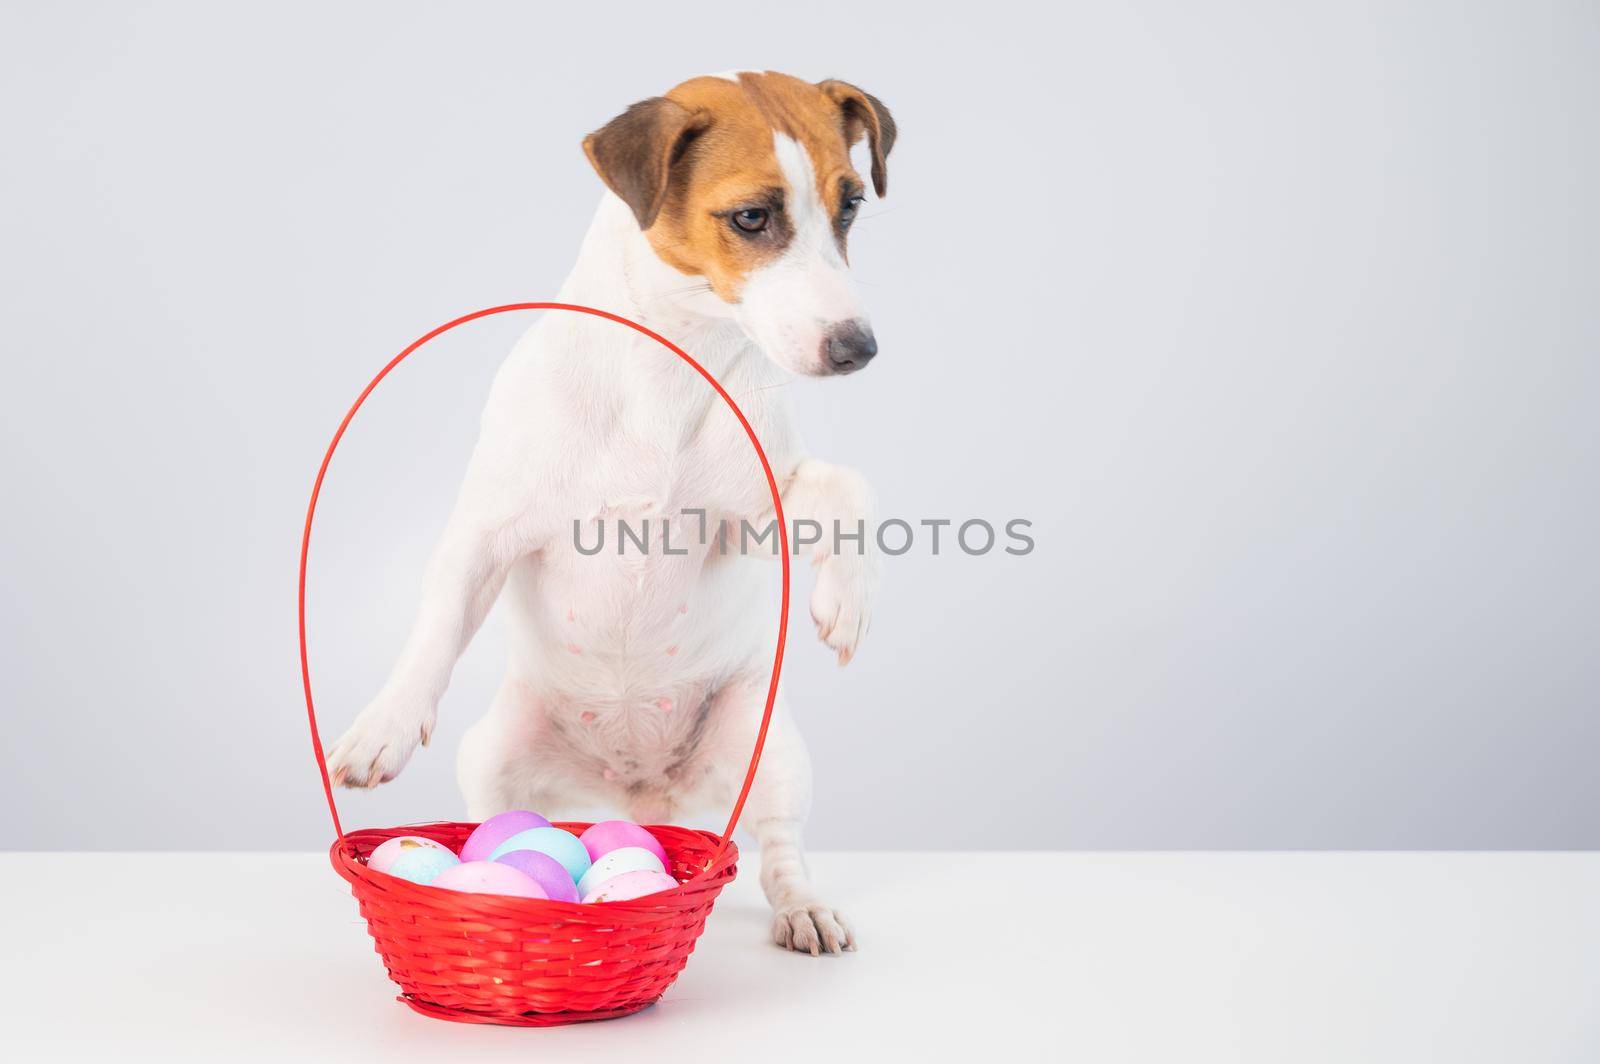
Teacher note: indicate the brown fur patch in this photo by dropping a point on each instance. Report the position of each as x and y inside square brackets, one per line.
[704, 151]
[633, 152]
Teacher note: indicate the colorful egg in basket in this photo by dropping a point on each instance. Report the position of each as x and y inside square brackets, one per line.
[530, 961]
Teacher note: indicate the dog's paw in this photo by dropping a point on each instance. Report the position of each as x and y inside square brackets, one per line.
[841, 603]
[813, 929]
[380, 742]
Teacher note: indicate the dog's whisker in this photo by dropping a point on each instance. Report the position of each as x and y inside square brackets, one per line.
[673, 293]
[764, 388]
[875, 214]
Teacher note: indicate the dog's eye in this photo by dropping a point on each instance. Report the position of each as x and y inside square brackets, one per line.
[847, 213]
[751, 219]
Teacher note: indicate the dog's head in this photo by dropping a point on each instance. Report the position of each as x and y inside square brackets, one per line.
[745, 180]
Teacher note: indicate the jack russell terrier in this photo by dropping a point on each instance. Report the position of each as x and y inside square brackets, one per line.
[637, 679]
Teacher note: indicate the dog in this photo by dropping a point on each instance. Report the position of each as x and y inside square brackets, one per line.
[637, 679]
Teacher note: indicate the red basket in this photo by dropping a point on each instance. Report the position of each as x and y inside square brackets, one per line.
[480, 958]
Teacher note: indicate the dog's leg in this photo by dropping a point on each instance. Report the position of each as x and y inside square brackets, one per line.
[831, 508]
[775, 814]
[465, 575]
[491, 750]
[497, 767]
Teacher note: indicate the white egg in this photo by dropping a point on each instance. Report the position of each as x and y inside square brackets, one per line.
[385, 855]
[616, 862]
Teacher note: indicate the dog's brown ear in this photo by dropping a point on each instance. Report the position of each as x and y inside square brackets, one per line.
[865, 113]
[634, 152]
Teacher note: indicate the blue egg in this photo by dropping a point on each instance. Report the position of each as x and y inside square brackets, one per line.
[562, 845]
[422, 865]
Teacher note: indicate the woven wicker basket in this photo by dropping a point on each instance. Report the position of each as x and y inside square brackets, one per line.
[480, 958]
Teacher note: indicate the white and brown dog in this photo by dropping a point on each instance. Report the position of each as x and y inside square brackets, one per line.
[637, 678]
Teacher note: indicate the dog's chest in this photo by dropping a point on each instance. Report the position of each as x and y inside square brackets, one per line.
[658, 505]
[655, 468]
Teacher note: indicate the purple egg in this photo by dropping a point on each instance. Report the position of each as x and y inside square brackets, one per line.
[544, 870]
[497, 829]
[610, 835]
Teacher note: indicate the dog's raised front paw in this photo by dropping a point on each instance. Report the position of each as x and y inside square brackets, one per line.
[380, 742]
[812, 929]
[841, 603]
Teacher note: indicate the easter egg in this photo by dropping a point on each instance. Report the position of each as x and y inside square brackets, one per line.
[616, 862]
[630, 885]
[384, 856]
[488, 877]
[549, 873]
[497, 829]
[423, 865]
[611, 835]
[562, 845]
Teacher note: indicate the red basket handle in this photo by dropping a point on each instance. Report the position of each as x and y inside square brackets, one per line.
[766, 467]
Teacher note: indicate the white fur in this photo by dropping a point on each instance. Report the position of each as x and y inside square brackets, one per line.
[588, 419]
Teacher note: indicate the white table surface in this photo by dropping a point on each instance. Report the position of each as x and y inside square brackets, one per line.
[1287, 958]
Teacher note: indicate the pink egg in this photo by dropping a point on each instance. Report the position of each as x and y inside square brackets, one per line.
[544, 870]
[489, 877]
[497, 829]
[629, 885]
[385, 855]
[611, 835]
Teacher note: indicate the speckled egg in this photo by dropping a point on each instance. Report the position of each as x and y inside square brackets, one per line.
[497, 829]
[562, 845]
[384, 856]
[488, 877]
[545, 870]
[423, 865]
[616, 862]
[630, 885]
[611, 835]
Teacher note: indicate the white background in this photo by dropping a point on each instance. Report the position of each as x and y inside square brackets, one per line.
[1278, 321]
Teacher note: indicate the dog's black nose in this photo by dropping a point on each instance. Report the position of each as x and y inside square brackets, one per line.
[849, 346]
